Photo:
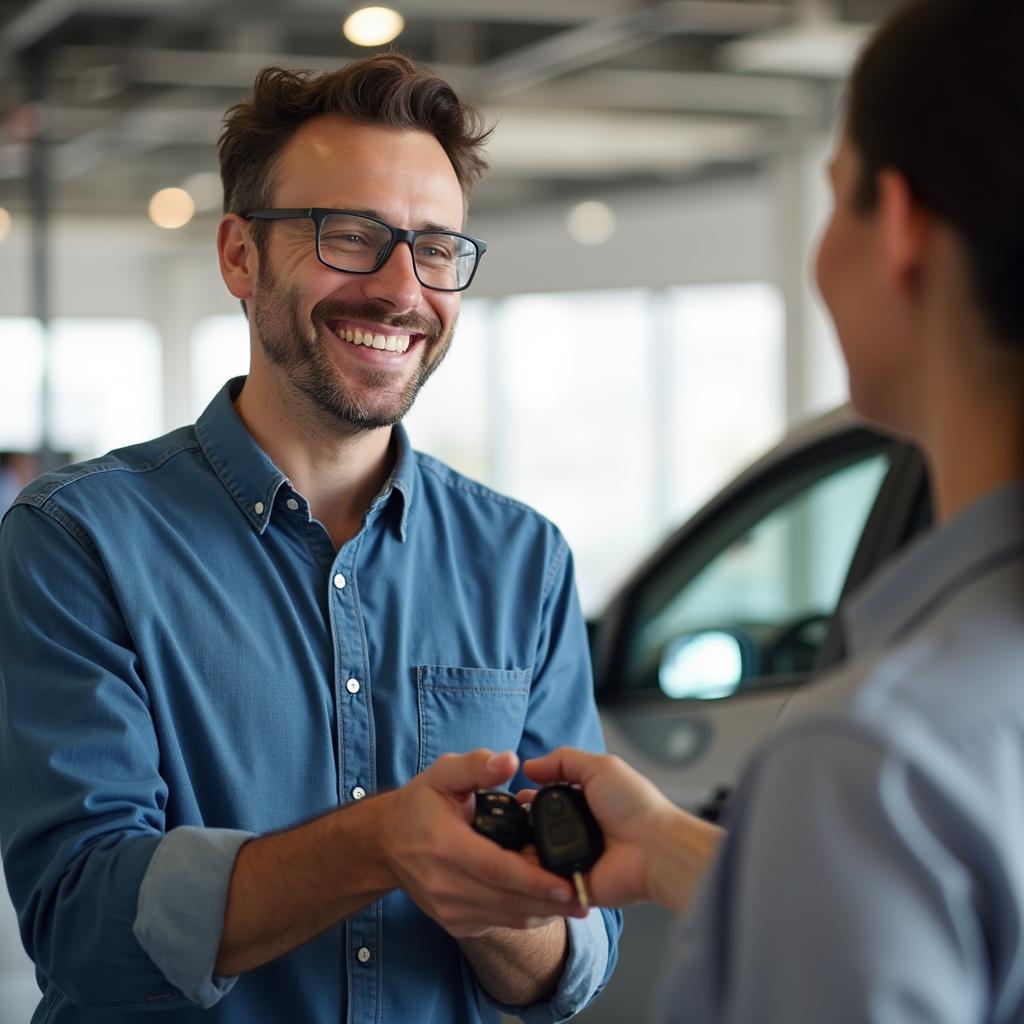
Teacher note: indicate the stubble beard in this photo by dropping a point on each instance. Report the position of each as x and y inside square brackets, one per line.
[296, 347]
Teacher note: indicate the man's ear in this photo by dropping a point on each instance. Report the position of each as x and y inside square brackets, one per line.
[905, 228]
[239, 260]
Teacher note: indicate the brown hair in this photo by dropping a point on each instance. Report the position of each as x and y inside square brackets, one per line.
[386, 89]
[939, 96]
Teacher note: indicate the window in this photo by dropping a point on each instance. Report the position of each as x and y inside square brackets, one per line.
[579, 429]
[105, 381]
[220, 351]
[725, 375]
[453, 418]
[760, 586]
[106, 384]
[21, 356]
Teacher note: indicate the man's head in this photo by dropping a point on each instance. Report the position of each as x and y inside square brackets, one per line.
[380, 137]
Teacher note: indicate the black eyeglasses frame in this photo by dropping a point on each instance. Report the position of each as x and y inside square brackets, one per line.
[318, 214]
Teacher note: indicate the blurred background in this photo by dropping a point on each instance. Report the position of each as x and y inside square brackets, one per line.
[643, 323]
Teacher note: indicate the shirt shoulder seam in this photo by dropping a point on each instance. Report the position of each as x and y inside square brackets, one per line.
[456, 481]
[45, 496]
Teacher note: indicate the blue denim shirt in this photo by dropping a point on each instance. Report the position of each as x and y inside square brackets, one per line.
[187, 662]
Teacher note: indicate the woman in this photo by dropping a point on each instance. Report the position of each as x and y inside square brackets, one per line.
[874, 866]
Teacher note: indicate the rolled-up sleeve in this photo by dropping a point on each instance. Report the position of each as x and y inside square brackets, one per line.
[181, 908]
[82, 819]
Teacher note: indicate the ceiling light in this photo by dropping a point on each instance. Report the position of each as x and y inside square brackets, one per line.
[5, 223]
[373, 26]
[171, 208]
[591, 222]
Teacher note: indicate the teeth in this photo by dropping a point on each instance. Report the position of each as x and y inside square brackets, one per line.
[385, 342]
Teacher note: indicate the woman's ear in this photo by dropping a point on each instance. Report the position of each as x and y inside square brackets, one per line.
[905, 229]
[239, 260]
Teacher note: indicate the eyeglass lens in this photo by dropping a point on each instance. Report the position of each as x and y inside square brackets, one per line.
[356, 244]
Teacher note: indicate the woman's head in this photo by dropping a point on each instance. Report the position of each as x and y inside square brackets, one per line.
[934, 121]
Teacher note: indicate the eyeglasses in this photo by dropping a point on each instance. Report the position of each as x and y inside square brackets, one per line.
[356, 244]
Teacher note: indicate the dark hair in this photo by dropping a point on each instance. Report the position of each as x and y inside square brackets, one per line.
[939, 96]
[386, 89]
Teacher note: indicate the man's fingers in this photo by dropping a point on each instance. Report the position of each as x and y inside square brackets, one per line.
[565, 764]
[512, 873]
[479, 769]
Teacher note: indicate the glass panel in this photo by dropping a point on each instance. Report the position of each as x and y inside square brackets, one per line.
[772, 581]
[581, 440]
[451, 418]
[220, 351]
[107, 384]
[726, 378]
[21, 356]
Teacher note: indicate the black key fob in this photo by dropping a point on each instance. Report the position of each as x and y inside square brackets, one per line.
[502, 818]
[567, 836]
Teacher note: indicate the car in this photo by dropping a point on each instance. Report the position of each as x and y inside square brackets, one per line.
[697, 653]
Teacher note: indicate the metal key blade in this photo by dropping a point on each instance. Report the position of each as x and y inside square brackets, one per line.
[581, 890]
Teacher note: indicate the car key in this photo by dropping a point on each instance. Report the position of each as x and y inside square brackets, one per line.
[501, 818]
[566, 834]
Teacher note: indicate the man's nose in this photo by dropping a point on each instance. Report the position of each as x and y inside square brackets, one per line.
[395, 283]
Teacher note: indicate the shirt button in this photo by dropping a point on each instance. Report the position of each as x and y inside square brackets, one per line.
[339, 581]
[363, 955]
[358, 793]
[352, 686]
[258, 508]
[292, 504]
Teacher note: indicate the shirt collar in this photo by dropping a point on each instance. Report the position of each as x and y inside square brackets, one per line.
[252, 479]
[981, 538]
[402, 479]
[244, 468]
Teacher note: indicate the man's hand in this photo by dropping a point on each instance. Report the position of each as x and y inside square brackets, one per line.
[465, 882]
[653, 850]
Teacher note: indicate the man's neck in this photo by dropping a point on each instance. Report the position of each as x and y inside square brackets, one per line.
[339, 474]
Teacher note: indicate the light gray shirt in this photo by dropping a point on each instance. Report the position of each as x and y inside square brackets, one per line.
[874, 866]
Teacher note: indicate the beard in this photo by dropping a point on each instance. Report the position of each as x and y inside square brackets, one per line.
[296, 346]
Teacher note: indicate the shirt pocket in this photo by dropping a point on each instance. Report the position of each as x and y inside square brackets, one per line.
[461, 709]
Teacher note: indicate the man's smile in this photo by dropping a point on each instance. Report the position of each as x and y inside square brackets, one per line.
[380, 337]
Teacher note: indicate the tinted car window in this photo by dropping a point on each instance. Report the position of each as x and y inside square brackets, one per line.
[752, 601]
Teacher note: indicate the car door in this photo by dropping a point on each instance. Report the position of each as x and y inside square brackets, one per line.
[698, 653]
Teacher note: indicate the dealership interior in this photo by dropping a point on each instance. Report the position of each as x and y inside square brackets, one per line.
[644, 324]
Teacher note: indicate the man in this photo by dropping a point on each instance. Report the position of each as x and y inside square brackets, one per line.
[234, 657]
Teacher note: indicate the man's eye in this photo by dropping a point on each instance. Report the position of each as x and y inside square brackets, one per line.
[433, 252]
[344, 238]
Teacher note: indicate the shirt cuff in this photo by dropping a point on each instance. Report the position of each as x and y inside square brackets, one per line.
[584, 973]
[180, 916]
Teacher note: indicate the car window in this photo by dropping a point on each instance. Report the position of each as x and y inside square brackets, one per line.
[750, 602]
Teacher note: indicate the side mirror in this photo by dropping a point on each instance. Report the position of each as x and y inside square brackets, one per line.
[707, 664]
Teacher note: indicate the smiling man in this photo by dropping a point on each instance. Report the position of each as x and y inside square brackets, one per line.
[247, 667]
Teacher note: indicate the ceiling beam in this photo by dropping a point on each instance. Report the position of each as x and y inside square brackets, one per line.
[694, 92]
[602, 38]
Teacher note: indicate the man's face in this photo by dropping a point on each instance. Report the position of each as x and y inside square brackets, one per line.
[308, 317]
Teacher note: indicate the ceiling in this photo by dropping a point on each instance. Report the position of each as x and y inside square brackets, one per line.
[589, 96]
